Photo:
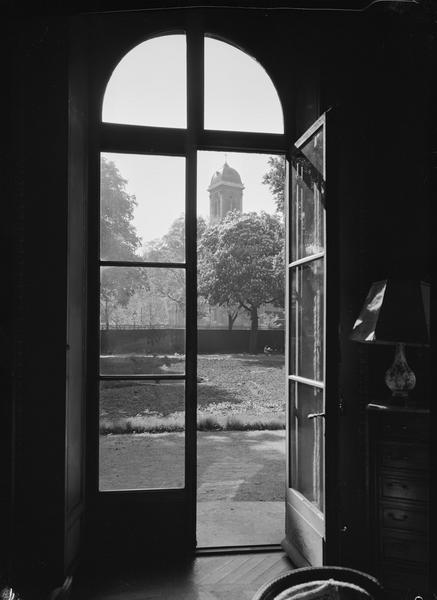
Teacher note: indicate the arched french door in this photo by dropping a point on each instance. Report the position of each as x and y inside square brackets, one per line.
[133, 135]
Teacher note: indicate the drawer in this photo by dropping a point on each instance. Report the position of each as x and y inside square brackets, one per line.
[404, 488]
[409, 583]
[405, 519]
[404, 456]
[415, 550]
[414, 428]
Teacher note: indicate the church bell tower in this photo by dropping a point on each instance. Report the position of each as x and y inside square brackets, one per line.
[225, 193]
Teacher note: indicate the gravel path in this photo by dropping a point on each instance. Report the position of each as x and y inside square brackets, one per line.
[232, 465]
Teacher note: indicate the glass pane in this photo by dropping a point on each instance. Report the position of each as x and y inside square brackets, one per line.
[142, 203]
[306, 443]
[307, 315]
[293, 327]
[313, 150]
[142, 435]
[142, 320]
[148, 86]
[307, 210]
[239, 95]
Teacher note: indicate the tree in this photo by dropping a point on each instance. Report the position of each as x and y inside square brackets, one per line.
[241, 264]
[170, 283]
[117, 286]
[118, 236]
[171, 247]
[233, 311]
[118, 241]
[275, 179]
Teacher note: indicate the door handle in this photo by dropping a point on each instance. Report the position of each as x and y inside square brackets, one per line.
[315, 415]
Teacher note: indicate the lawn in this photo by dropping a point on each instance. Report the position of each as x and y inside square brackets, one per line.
[232, 389]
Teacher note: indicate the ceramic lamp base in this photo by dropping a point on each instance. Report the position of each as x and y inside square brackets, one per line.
[399, 378]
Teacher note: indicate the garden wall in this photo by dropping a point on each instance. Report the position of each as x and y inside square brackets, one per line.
[170, 341]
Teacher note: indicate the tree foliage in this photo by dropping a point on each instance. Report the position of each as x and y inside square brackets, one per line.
[118, 236]
[275, 179]
[118, 241]
[171, 247]
[241, 263]
[170, 283]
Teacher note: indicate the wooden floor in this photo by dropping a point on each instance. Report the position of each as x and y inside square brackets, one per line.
[205, 577]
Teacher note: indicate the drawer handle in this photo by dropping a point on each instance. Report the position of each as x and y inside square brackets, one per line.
[393, 516]
[396, 457]
[391, 428]
[395, 485]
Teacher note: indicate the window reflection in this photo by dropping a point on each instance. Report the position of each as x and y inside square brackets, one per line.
[307, 323]
[308, 206]
[306, 447]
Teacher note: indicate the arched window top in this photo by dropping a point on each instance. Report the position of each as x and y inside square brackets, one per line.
[148, 86]
[239, 94]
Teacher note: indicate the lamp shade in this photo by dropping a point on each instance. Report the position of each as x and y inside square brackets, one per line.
[394, 312]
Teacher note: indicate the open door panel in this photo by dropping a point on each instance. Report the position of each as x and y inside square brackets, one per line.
[307, 475]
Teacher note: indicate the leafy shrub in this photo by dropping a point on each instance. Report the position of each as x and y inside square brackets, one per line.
[175, 423]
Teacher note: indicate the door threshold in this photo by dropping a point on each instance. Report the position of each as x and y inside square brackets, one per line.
[238, 549]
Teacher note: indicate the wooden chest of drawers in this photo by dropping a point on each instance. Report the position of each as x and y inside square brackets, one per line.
[398, 494]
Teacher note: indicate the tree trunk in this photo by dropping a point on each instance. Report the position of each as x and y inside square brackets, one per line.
[253, 341]
[106, 313]
[231, 319]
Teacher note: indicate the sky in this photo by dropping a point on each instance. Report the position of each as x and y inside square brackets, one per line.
[148, 87]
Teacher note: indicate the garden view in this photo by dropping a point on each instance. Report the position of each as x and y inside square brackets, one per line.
[240, 365]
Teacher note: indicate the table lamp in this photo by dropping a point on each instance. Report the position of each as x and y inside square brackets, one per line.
[396, 312]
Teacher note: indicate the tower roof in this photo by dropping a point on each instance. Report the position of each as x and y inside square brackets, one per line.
[227, 176]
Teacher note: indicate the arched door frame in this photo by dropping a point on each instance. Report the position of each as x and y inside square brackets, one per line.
[108, 137]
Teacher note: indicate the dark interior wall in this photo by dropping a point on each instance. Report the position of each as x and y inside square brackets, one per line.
[374, 70]
[38, 170]
[376, 76]
[433, 424]
[7, 251]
